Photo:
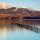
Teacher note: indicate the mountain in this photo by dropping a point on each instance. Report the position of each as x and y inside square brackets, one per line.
[5, 8]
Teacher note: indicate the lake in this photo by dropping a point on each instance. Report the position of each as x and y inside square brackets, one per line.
[14, 32]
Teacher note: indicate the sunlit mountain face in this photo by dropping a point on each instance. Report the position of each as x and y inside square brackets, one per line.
[29, 13]
[18, 10]
[9, 7]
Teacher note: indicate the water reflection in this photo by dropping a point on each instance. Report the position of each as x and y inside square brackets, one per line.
[14, 32]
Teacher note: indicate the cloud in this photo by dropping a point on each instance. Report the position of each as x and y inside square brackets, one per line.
[4, 5]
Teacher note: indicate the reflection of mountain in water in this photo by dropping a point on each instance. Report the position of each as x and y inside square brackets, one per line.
[19, 27]
[16, 33]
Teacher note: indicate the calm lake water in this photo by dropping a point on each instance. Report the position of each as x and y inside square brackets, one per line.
[14, 32]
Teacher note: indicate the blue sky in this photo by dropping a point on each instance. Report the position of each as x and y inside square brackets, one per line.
[34, 4]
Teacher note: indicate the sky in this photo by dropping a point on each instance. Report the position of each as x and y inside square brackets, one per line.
[33, 4]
